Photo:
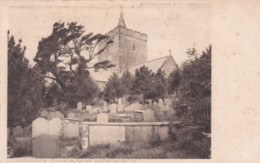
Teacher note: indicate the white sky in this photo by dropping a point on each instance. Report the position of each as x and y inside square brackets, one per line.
[173, 27]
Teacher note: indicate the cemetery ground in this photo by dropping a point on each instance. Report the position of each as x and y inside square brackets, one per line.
[185, 140]
[188, 142]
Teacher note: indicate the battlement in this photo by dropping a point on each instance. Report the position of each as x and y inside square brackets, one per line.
[128, 32]
[132, 33]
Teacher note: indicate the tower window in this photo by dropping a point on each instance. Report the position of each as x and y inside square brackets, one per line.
[133, 46]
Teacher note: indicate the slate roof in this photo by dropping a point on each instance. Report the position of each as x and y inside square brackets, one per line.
[153, 65]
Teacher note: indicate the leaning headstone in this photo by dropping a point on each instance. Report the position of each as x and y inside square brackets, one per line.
[18, 131]
[120, 108]
[102, 117]
[55, 127]
[44, 114]
[45, 146]
[113, 108]
[79, 106]
[39, 127]
[71, 130]
[148, 115]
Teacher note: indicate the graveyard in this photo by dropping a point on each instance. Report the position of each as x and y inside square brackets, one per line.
[151, 130]
[87, 97]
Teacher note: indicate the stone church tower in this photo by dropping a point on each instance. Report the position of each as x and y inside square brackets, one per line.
[129, 47]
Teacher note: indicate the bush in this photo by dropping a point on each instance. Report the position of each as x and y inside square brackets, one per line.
[22, 148]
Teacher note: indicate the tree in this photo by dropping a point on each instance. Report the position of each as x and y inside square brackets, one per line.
[114, 88]
[25, 86]
[196, 77]
[143, 81]
[160, 84]
[127, 82]
[66, 55]
[174, 80]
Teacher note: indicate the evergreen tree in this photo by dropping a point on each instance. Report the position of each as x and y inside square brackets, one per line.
[25, 86]
[127, 82]
[174, 80]
[196, 78]
[113, 88]
[143, 81]
[65, 57]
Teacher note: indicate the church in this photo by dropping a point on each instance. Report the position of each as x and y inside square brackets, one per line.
[129, 52]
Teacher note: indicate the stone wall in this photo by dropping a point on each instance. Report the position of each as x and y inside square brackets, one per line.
[129, 48]
[133, 48]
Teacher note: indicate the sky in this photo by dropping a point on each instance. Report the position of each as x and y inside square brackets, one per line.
[169, 27]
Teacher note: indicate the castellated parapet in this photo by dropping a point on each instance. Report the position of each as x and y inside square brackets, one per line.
[129, 48]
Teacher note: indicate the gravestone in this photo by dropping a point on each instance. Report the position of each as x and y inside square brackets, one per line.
[71, 115]
[120, 101]
[51, 115]
[71, 130]
[161, 115]
[18, 131]
[102, 117]
[55, 127]
[113, 108]
[136, 106]
[58, 114]
[155, 103]
[160, 101]
[39, 127]
[89, 107]
[44, 114]
[128, 108]
[104, 103]
[45, 146]
[138, 116]
[148, 115]
[93, 111]
[120, 108]
[79, 106]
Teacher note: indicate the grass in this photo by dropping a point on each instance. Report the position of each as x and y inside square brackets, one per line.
[186, 142]
[20, 148]
[183, 142]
